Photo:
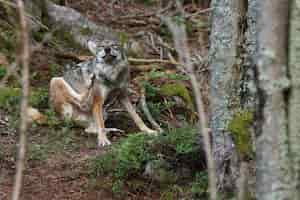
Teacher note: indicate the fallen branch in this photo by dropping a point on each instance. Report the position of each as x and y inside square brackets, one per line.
[141, 60]
[148, 114]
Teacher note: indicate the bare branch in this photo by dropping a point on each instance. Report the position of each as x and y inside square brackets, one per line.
[24, 104]
[180, 42]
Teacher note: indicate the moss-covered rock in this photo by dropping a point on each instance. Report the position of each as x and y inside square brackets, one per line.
[178, 89]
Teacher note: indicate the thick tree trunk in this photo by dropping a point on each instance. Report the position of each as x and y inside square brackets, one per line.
[248, 89]
[272, 158]
[294, 99]
[225, 61]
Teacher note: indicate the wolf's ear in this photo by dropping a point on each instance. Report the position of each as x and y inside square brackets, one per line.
[92, 46]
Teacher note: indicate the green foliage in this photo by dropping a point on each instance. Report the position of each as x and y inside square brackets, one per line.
[126, 158]
[182, 140]
[155, 74]
[124, 38]
[178, 89]
[117, 188]
[39, 98]
[2, 71]
[150, 89]
[239, 126]
[9, 98]
[131, 155]
[86, 31]
[37, 152]
[54, 69]
[8, 42]
[200, 185]
[103, 164]
[38, 35]
[171, 193]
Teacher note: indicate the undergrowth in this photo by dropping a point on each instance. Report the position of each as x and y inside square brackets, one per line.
[156, 159]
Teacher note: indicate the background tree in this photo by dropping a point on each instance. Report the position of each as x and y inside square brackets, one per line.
[231, 61]
[294, 98]
[272, 152]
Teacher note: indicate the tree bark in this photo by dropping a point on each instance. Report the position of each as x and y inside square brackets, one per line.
[225, 61]
[294, 98]
[272, 158]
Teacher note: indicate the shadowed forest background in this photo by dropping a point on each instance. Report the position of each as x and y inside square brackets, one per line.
[220, 78]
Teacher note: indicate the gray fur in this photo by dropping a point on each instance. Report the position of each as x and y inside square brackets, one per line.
[109, 67]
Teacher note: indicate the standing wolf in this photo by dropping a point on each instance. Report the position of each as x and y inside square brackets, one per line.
[80, 93]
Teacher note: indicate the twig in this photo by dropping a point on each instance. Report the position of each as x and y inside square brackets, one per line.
[180, 41]
[204, 11]
[24, 103]
[141, 60]
[148, 114]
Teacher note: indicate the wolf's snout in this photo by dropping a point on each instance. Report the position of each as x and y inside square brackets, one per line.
[107, 50]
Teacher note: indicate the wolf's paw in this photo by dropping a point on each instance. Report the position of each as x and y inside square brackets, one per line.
[107, 130]
[103, 141]
[91, 129]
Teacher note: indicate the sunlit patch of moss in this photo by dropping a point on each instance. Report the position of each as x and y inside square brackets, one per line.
[86, 31]
[239, 126]
[178, 89]
[9, 97]
[123, 37]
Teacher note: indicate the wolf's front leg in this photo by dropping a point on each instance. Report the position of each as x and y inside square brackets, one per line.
[136, 118]
[98, 117]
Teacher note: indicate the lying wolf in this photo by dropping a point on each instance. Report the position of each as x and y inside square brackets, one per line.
[80, 93]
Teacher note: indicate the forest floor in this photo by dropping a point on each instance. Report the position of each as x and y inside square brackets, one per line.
[58, 155]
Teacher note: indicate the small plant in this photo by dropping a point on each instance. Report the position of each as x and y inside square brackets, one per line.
[2, 71]
[104, 164]
[117, 188]
[200, 185]
[9, 98]
[132, 153]
[182, 140]
[39, 98]
[37, 152]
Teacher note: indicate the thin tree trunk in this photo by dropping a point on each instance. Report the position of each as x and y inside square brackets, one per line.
[180, 43]
[272, 158]
[294, 99]
[24, 103]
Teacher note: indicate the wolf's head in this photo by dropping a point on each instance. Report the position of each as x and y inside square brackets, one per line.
[107, 51]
